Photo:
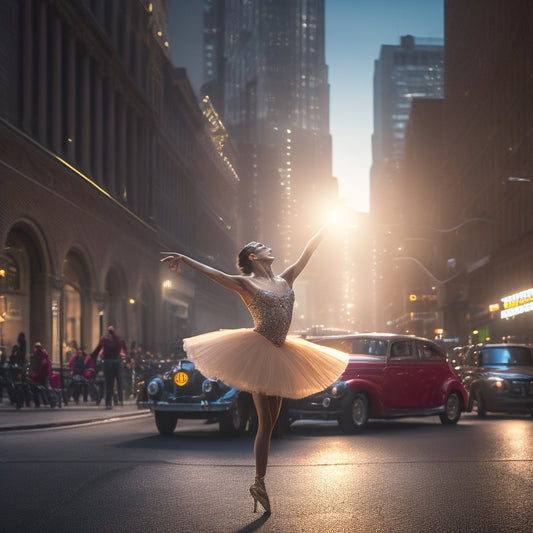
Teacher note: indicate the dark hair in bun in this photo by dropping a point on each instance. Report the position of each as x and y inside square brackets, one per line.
[243, 261]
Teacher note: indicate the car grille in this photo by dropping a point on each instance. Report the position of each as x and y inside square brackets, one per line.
[521, 387]
[188, 390]
[185, 399]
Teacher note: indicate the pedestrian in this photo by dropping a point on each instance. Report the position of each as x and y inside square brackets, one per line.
[77, 368]
[77, 362]
[263, 360]
[90, 366]
[40, 366]
[111, 346]
[21, 341]
[14, 358]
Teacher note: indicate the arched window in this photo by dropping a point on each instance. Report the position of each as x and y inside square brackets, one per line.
[72, 302]
[10, 275]
[76, 305]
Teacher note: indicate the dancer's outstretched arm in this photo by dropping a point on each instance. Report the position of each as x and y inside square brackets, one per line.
[293, 271]
[232, 282]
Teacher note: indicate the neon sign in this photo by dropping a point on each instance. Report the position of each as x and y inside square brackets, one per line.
[516, 304]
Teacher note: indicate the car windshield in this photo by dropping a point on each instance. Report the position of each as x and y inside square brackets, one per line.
[369, 346]
[512, 355]
[362, 346]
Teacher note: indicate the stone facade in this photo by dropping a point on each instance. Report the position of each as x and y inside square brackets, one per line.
[106, 159]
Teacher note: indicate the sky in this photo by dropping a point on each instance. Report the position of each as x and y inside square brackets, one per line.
[355, 31]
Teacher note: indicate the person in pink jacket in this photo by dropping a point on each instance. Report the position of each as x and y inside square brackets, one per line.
[40, 366]
[90, 367]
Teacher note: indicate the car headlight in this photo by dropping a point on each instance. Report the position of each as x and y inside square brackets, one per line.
[497, 383]
[169, 374]
[339, 388]
[155, 387]
[208, 385]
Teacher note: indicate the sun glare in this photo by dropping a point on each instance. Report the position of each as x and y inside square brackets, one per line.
[334, 218]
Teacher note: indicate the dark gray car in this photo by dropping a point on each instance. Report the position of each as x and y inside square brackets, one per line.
[498, 377]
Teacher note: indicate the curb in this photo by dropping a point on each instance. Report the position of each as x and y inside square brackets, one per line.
[44, 425]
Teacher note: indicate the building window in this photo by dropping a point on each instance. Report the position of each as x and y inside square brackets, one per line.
[10, 275]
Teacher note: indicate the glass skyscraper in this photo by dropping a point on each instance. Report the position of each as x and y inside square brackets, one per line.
[412, 69]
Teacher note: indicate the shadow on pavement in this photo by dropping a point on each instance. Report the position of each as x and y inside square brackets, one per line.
[255, 525]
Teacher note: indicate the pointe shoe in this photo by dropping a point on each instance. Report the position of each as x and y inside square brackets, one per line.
[259, 494]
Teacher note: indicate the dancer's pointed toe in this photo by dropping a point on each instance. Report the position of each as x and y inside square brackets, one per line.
[259, 494]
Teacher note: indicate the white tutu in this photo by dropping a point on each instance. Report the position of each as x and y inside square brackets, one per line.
[248, 361]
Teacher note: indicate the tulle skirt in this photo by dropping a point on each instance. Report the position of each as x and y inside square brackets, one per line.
[246, 360]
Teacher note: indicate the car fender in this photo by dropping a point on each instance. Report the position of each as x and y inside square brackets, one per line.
[480, 384]
[452, 385]
[374, 391]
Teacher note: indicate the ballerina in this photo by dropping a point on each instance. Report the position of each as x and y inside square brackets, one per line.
[263, 361]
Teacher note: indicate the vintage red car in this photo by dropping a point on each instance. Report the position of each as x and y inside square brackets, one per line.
[387, 376]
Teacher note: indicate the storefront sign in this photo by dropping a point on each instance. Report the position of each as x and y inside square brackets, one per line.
[516, 304]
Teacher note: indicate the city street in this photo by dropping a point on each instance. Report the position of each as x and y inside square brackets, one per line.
[377, 157]
[412, 475]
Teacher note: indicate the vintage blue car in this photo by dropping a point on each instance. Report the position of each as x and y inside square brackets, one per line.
[183, 392]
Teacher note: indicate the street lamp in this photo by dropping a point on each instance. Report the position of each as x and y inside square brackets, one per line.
[2, 320]
[443, 230]
[101, 321]
[453, 228]
[515, 178]
[3, 310]
[464, 223]
[425, 269]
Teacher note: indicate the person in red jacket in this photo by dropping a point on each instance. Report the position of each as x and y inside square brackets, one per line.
[111, 346]
[90, 366]
[40, 366]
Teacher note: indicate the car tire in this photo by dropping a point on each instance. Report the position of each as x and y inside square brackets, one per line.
[234, 422]
[452, 409]
[165, 422]
[481, 405]
[355, 416]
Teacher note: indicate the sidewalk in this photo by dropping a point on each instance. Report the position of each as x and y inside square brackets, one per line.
[12, 419]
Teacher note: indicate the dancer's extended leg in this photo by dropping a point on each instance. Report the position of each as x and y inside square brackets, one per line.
[268, 408]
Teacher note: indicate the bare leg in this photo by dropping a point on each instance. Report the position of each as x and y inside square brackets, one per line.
[268, 408]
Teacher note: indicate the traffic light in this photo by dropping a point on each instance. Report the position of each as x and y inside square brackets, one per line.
[422, 302]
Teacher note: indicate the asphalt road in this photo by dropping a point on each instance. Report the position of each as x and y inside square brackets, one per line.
[412, 475]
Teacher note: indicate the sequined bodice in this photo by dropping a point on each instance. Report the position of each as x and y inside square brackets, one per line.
[272, 314]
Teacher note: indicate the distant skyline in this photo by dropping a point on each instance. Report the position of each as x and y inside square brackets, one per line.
[355, 32]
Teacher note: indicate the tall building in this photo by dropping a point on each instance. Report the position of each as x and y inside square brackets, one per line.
[414, 69]
[420, 270]
[488, 169]
[268, 78]
[106, 159]
[213, 52]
